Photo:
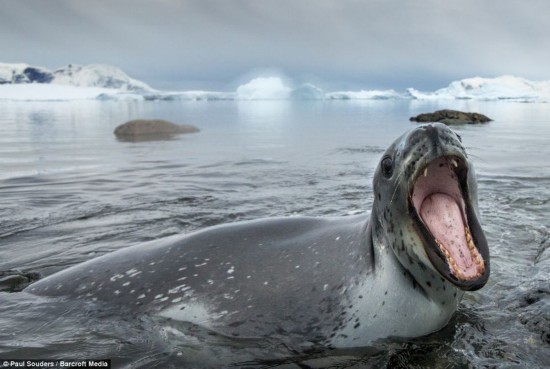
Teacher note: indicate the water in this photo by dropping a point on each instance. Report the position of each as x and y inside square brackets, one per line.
[69, 191]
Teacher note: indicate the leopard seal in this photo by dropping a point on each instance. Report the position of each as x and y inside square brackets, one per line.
[334, 282]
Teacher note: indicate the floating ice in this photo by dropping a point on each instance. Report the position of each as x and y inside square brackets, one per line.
[365, 95]
[307, 91]
[499, 88]
[186, 96]
[263, 88]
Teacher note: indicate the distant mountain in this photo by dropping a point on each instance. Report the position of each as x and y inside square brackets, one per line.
[93, 75]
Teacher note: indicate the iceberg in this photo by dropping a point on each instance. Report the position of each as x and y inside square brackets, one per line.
[190, 96]
[499, 88]
[365, 95]
[263, 88]
[273, 88]
[307, 91]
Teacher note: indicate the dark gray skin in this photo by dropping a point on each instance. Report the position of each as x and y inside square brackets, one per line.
[340, 282]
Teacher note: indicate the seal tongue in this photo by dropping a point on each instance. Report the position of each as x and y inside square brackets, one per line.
[443, 217]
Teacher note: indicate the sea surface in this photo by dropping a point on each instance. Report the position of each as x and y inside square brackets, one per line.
[70, 191]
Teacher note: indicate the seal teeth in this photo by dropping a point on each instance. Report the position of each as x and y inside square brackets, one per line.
[475, 254]
[476, 257]
[426, 172]
[452, 163]
[452, 261]
[456, 271]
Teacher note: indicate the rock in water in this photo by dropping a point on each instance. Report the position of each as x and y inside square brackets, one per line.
[451, 117]
[16, 280]
[151, 129]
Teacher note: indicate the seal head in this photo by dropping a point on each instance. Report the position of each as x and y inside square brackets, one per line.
[426, 207]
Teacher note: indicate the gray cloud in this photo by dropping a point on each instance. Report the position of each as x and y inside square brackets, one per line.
[344, 43]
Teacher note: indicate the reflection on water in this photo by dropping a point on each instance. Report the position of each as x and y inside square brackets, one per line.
[163, 136]
[70, 191]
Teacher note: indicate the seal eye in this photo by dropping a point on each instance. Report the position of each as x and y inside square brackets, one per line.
[387, 167]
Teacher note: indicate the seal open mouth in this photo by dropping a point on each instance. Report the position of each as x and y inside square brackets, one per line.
[445, 218]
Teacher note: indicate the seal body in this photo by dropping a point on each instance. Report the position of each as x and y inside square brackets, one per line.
[339, 282]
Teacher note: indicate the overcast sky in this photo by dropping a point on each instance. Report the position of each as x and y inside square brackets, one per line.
[217, 44]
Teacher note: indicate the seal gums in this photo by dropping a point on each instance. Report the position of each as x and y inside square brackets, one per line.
[437, 198]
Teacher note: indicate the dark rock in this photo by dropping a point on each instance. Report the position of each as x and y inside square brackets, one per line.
[38, 75]
[151, 130]
[29, 74]
[16, 280]
[19, 78]
[451, 117]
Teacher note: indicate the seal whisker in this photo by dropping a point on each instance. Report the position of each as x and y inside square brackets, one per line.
[399, 179]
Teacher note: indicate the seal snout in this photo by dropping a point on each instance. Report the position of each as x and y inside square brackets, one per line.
[436, 137]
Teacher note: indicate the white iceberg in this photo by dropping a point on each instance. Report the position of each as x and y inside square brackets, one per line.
[365, 95]
[190, 96]
[499, 88]
[263, 88]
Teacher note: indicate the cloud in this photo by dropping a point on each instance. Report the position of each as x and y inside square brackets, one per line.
[375, 43]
